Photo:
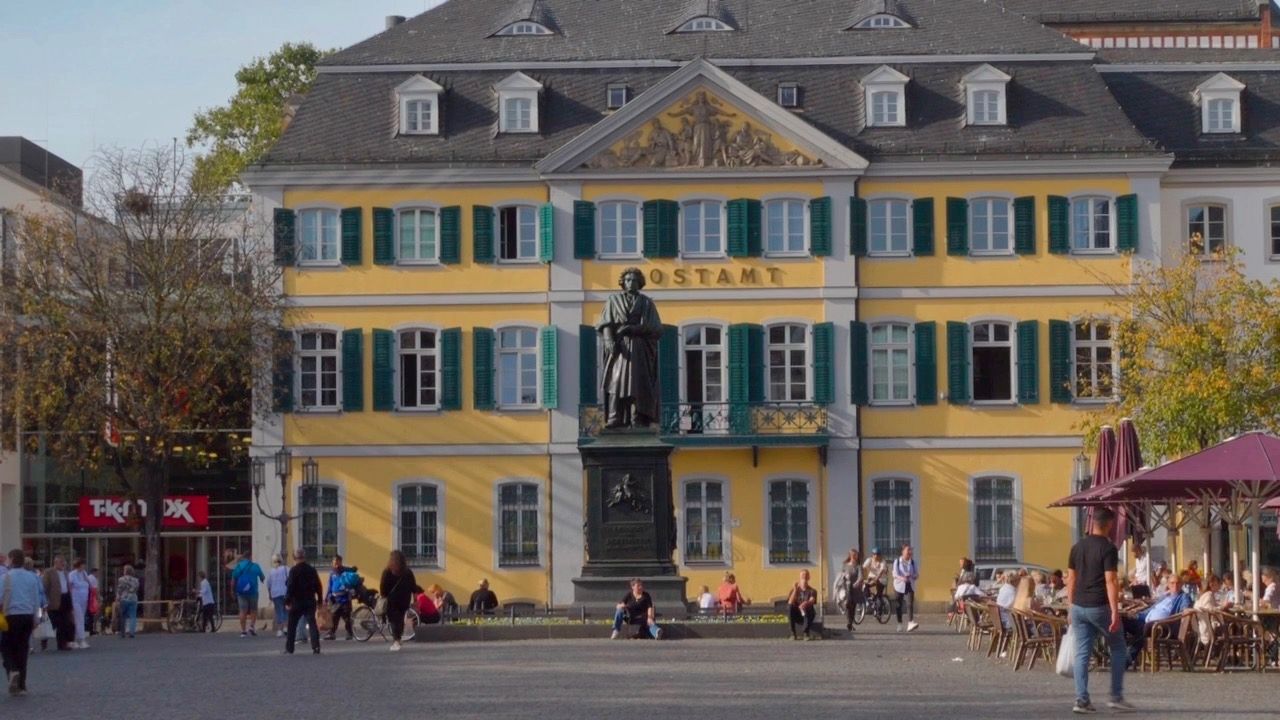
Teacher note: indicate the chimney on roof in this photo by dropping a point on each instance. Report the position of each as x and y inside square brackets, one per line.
[394, 20]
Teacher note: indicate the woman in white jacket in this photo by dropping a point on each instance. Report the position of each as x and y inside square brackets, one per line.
[905, 574]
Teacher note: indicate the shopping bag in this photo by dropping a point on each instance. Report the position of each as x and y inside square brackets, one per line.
[324, 619]
[45, 631]
[1067, 653]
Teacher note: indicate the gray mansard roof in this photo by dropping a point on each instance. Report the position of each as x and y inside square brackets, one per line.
[459, 32]
[1109, 11]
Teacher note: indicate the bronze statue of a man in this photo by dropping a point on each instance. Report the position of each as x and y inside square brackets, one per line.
[629, 328]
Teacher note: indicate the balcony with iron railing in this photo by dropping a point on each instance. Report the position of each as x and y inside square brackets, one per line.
[746, 424]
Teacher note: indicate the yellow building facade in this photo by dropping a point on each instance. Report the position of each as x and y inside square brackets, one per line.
[857, 351]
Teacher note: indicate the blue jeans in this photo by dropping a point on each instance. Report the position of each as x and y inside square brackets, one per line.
[620, 619]
[128, 617]
[1087, 624]
[282, 615]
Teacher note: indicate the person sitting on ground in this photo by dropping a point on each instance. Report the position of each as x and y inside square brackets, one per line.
[874, 570]
[444, 601]
[801, 603]
[483, 600]
[731, 599]
[706, 601]
[425, 605]
[1174, 602]
[1270, 595]
[636, 609]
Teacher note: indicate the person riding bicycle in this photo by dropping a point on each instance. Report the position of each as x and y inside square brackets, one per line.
[339, 597]
[848, 589]
[874, 571]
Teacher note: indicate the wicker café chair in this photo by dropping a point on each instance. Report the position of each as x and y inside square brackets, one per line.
[1242, 644]
[980, 624]
[1036, 636]
[1166, 641]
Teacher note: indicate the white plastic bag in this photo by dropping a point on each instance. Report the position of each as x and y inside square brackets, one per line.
[1067, 653]
[44, 631]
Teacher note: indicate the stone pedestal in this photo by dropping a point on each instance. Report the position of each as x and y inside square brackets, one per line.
[630, 523]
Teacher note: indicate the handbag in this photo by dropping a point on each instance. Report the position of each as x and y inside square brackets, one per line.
[94, 604]
[380, 607]
[4, 621]
[1067, 653]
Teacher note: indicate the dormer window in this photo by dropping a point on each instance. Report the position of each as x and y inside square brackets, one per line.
[524, 28]
[617, 95]
[885, 97]
[789, 95]
[704, 24]
[881, 22]
[879, 15]
[419, 102]
[518, 103]
[1219, 99]
[986, 100]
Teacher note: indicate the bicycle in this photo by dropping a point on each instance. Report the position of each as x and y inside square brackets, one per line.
[185, 615]
[365, 623]
[876, 604]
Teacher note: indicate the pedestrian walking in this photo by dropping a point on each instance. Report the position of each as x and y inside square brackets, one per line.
[207, 604]
[80, 587]
[57, 588]
[245, 579]
[396, 587]
[905, 575]
[339, 596]
[127, 597]
[849, 585]
[302, 596]
[1093, 592]
[20, 603]
[277, 586]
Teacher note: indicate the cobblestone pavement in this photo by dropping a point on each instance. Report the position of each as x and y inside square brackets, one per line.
[876, 674]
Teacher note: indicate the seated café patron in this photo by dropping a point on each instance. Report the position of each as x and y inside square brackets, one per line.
[1174, 602]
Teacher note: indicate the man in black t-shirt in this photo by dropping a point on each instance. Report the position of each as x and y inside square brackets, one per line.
[302, 596]
[636, 608]
[1093, 591]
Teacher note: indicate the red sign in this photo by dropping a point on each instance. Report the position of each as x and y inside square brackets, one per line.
[180, 511]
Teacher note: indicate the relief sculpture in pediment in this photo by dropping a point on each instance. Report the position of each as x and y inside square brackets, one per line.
[706, 138]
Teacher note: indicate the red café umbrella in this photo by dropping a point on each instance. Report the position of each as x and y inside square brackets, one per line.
[1103, 464]
[1127, 460]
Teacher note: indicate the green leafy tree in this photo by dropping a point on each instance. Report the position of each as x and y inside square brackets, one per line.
[240, 132]
[1199, 356]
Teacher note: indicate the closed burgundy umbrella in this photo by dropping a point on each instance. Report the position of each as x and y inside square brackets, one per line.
[1103, 464]
[1127, 460]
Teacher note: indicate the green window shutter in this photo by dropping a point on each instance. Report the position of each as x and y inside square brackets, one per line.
[755, 363]
[669, 366]
[384, 236]
[926, 363]
[282, 373]
[482, 233]
[547, 233]
[957, 226]
[286, 242]
[824, 379]
[755, 232]
[922, 227]
[739, 378]
[588, 359]
[450, 235]
[650, 211]
[1060, 390]
[858, 359]
[661, 228]
[482, 340]
[858, 227]
[1127, 223]
[1028, 362]
[550, 368]
[584, 229]
[451, 369]
[1024, 225]
[736, 211]
[352, 220]
[746, 363]
[820, 226]
[353, 370]
[957, 363]
[1059, 225]
[384, 388]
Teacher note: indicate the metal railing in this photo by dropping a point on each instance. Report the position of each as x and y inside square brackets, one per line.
[748, 421]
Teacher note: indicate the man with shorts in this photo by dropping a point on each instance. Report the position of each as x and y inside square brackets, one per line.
[245, 578]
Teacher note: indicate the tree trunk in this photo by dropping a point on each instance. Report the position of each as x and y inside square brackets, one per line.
[153, 493]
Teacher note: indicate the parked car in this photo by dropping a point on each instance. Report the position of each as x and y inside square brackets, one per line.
[986, 572]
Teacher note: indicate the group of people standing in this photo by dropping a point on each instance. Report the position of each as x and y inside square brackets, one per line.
[860, 579]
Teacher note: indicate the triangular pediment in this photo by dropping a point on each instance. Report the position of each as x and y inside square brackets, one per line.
[1220, 82]
[700, 118]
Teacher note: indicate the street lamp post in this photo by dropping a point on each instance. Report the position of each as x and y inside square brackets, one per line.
[1081, 477]
[283, 461]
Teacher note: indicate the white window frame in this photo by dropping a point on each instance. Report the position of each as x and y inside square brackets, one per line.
[726, 525]
[891, 347]
[1092, 345]
[1012, 345]
[991, 230]
[524, 28]
[1221, 115]
[812, 534]
[1271, 221]
[986, 79]
[1220, 88]
[321, 211]
[298, 354]
[1206, 204]
[1017, 513]
[611, 101]
[715, 421]
[340, 541]
[521, 242]
[794, 100]
[767, 206]
[396, 371]
[702, 204]
[518, 86]
[885, 79]
[419, 89]
[882, 21]
[870, 500]
[1073, 226]
[498, 353]
[872, 204]
[439, 563]
[418, 209]
[601, 226]
[704, 23]
[542, 524]
[788, 347]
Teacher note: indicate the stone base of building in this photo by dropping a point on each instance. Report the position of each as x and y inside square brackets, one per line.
[599, 596]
